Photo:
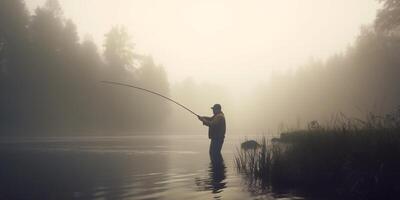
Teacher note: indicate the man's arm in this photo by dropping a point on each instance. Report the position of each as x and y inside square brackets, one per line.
[202, 118]
[212, 121]
[205, 120]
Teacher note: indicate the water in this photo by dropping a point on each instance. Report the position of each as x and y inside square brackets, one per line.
[137, 167]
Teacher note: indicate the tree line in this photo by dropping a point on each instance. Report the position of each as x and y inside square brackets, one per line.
[365, 78]
[49, 78]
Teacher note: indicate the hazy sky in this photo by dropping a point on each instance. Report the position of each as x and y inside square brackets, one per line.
[226, 41]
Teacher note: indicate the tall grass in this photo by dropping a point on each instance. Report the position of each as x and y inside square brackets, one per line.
[349, 158]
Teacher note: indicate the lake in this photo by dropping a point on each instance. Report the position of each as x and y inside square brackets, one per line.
[133, 167]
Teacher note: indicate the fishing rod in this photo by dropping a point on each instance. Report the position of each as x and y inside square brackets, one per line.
[152, 92]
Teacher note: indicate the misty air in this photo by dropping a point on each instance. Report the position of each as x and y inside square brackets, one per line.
[177, 99]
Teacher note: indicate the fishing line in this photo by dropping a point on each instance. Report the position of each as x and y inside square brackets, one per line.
[152, 92]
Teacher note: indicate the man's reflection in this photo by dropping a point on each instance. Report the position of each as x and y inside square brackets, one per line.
[215, 182]
[217, 172]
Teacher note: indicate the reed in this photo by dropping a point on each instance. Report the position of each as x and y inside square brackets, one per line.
[349, 158]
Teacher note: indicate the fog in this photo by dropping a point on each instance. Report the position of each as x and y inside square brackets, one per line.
[239, 41]
[270, 64]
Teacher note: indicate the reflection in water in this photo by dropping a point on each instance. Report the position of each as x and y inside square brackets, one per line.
[216, 176]
[105, 168]
[78, 169]
[217, 173]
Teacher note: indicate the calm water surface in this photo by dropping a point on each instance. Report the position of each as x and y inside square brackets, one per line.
[137, 167]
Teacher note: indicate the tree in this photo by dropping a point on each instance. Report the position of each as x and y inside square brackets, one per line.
[49, 80]
[14, 35]
[119, 49]
[388, 18]
[14, 20]
[54, 7]
[70, 36]
[153, 77]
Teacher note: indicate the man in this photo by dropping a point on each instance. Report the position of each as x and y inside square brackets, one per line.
[216, 131]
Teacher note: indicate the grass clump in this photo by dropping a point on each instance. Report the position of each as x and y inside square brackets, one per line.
[350, 158]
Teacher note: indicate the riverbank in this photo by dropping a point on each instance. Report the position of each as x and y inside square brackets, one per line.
[351, 159]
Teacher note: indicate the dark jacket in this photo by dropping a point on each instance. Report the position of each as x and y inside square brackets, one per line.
[217, 126]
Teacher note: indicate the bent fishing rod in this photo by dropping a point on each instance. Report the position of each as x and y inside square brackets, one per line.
[152, 92]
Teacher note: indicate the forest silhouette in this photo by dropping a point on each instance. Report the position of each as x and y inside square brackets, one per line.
[49, 79]
[360, 80]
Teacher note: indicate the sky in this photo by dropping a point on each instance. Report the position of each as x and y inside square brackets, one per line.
[225, 42]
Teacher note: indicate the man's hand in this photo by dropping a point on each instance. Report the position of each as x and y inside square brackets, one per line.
[200, 117]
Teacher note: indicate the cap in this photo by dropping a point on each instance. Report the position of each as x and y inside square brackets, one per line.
[216, 107]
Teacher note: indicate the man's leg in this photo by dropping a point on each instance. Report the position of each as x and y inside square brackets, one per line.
[216, 146]
[212, 147]
[219, 144]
